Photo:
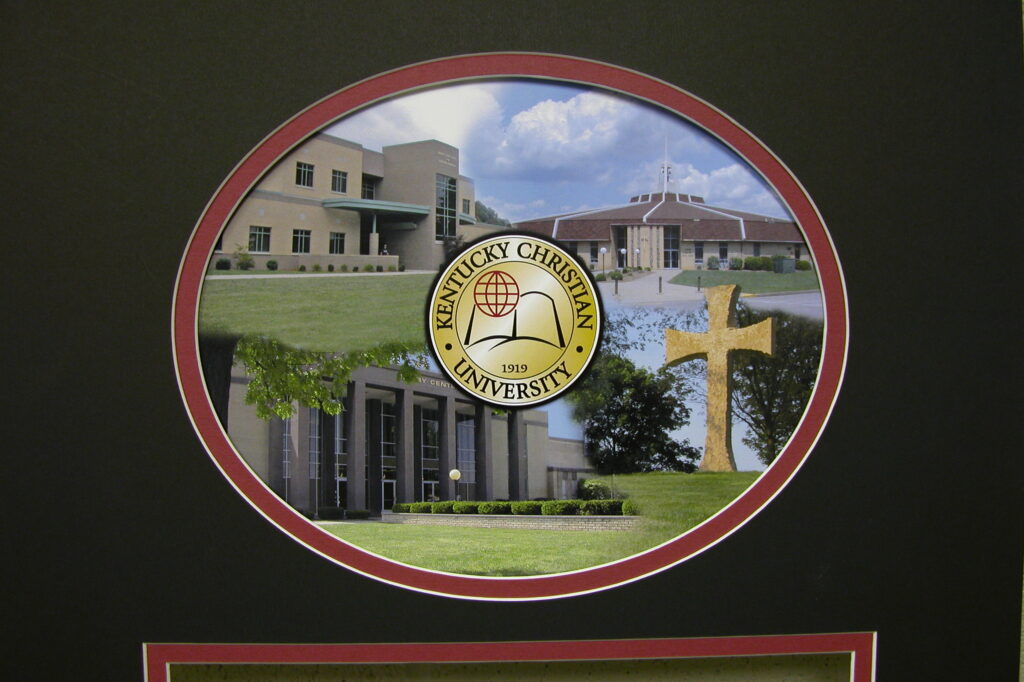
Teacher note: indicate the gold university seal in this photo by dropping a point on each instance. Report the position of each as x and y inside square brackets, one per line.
[514, 319]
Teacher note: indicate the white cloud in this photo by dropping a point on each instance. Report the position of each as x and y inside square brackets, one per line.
[454, 115]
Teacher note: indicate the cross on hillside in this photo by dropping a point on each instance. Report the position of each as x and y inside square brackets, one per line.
[716, 345]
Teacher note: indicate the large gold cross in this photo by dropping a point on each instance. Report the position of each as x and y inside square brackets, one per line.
[722, 337]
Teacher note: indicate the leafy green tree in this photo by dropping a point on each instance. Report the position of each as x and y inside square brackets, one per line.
[628, 414]
[282, 376]
[770, 393]
[486, 214]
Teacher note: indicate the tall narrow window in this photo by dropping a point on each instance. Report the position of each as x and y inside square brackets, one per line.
[593, 253]
[304, 174]
[339, 181]
[259, 239]
[670, 247]
[465, 206]
[444, 215]
[698, 253]
[465, 447]
[723, 252]
[337, 243]
[369, 188]
[300, 241]
[314, 444]
[286, 456]
[796, 252]
[757, 249]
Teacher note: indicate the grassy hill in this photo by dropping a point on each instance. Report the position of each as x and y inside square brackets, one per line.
[670, 504]
[351, 312]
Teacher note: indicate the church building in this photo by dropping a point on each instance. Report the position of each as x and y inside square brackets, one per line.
[669, 230]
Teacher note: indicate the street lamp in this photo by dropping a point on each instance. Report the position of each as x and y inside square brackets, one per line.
[636, 258]
[622, 252]
[603, 251]
[455, 475]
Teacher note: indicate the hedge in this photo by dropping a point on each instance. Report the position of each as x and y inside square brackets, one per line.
[466, 507]
[357, 513]
[527, 507]
[601, 507]
[400, 507]
[593, 489]
[803, 265]
[495, 507]
[442, 507]
[629, 508]
[560, 507]
[420, 507]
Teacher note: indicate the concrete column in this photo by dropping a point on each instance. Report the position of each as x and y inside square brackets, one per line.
[374, 246]
[417, 453]
[355, 427]
[517, 465]
[483, 452]
[375, 499]
[446, 445]
[404, 447]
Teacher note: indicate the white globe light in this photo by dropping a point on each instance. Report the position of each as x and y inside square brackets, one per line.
[455, 474]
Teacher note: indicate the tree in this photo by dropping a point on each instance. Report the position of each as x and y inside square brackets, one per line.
[770, 393]
[628, 414]
[282, 376]
[486, 214]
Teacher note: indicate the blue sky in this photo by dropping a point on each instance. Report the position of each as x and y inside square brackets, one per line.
[537, 148]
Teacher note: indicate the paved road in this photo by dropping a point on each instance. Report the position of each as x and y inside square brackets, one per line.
[643, 291]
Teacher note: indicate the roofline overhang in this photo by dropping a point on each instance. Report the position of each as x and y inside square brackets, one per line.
[375, 206]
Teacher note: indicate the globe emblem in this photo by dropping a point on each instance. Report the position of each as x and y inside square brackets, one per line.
[496, 293]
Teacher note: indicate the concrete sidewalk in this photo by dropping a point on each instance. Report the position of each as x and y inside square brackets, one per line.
[643, 291]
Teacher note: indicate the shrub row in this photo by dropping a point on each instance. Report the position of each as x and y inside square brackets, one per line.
[225, 264]
[757, 263]
[803, 265]
[603, 507]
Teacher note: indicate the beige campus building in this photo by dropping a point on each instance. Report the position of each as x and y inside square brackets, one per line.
[397, 442]
[334, 202]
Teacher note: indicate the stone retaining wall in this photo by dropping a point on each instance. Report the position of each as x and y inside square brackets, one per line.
[517, 521]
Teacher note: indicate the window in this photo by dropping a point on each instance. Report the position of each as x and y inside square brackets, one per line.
[300, 241]
[444, 215]
[670, 244]
[286, 451]
[220, 242]
[698, 252]
[339, 181]
[757, 249]
[314, 444]
[337, 243]
[723, 252]
[304, 174]
[465, 447]
[430, 438]
[465, 206]
[388, 434]
[259, 239]
[593, 252]
[796, 252]
[368, 188]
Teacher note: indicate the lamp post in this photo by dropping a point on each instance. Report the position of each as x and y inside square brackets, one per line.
[636, 258]
[622, 252]
[603, 251]
[455, 475]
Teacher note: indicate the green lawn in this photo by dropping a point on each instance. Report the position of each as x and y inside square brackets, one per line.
[750, 281]
[670, 504]
[353, 312]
